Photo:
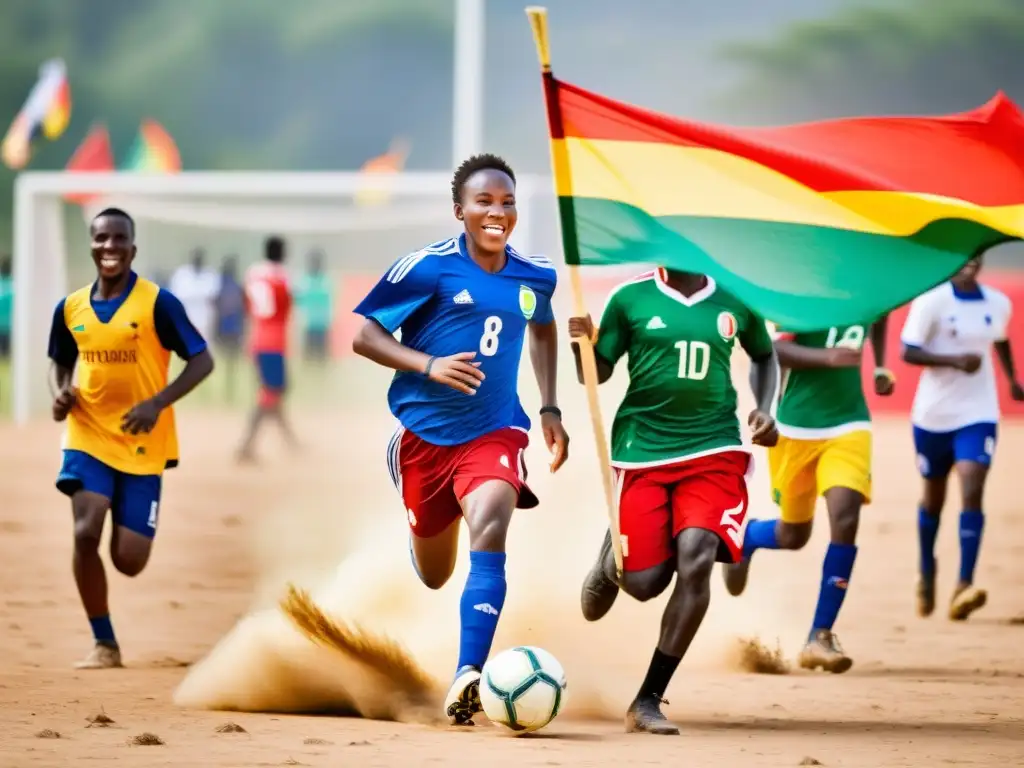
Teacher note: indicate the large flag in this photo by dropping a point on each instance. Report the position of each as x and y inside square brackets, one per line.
[154, 150]
[93, 155]
[47, 112]
[811, 225]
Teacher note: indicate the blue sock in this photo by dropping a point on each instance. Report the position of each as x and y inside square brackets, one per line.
[761, 534]
[482, 601]
[835, 577]
[972, 522]
[103, 630]
[927, 531]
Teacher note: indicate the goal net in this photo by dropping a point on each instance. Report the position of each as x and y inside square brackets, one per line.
[359, 222]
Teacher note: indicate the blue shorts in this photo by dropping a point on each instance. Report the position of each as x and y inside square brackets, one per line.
[134, 499]
[937, 452]
[271, 369]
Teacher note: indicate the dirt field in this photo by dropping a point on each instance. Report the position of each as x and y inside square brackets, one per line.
[921, 693]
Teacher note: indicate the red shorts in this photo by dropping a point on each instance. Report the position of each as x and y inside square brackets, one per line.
[656, 504]
[434, 478]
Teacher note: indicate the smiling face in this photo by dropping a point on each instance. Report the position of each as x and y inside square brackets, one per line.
[488, 209]
[113, 246]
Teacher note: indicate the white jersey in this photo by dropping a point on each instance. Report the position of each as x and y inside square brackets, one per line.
[197, 290]
[943, 323]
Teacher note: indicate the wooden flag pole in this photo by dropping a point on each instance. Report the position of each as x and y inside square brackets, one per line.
[560, 164]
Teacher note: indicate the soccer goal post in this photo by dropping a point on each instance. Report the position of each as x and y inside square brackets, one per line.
[372, 219]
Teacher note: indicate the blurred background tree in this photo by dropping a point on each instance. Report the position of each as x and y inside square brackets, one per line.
[927, 56]
[327, 84]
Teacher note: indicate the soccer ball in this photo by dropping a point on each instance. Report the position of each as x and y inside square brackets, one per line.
[522, 688]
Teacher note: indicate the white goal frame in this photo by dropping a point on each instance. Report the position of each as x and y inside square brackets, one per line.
[40, 258]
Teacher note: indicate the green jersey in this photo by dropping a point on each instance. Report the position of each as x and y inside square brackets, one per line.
[6, 303]
[680, 402]
[316, 301]
[819, 403]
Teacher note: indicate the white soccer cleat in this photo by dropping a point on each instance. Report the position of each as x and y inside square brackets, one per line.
[101, 657]
[463, 699]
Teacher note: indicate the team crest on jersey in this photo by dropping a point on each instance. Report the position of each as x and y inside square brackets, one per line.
[527, 301]
[727, 325]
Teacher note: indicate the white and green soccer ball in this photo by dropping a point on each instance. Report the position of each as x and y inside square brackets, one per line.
[522, 688]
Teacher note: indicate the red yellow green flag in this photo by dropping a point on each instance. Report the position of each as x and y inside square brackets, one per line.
[811, 225]
[154, 150]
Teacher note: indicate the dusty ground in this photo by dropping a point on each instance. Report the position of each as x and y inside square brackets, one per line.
[922, 693]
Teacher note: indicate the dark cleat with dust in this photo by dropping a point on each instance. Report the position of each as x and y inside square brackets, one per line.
[644, 716]
[599, 591]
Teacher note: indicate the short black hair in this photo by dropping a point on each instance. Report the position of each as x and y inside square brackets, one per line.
[273, 249]
[485, 162]
[117, 213]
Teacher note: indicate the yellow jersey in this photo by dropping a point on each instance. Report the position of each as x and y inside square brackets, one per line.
[122, 359]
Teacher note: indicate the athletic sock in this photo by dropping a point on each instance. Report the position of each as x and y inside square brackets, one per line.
[103, 631]
[659, 675]
[482, 601]
[972, 523]
[761, 534]
[927, 531]
[835, 577]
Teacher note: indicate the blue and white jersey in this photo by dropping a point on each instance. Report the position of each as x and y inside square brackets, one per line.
[945, 321]
[444, 303]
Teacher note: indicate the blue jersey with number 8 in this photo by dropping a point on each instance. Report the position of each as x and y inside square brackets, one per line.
[443, 303]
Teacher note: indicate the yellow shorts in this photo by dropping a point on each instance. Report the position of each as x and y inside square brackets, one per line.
[801, 470]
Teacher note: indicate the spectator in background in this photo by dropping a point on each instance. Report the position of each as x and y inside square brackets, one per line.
[6, 306]
[230, 320]
[197, 286]
[316, 304]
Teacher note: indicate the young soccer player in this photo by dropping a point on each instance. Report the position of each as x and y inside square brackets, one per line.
[463, 307]
[316, 302]
[268, 300]
[824, 448]
[680, 464]
[949, 332]
[119, 333]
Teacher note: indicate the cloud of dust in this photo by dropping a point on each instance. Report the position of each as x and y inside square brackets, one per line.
[355, 563]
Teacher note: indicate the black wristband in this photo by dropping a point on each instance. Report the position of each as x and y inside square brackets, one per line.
[430, 364]
[554, 409]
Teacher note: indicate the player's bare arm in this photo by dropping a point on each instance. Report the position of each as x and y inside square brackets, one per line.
[885, 382]
[1005, 355]
[968, 363]
[793, 355]
[764, 383]
[458, 371]
[583, 328]
[65, 399]
[143, 417]
[544, 357]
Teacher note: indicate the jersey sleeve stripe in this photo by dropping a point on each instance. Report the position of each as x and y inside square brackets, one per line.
[444, 247]
[405, 266]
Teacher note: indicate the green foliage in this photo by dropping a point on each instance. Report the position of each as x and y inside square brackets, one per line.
[240, 84]
[913, 56]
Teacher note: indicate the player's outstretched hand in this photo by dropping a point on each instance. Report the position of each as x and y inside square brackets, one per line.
[582, 328]
[968, 363]
[63, 403]
[457, 371]
[885, 383]
[556, 438]
[141, 418]
[763, 429]
[1016, 391]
